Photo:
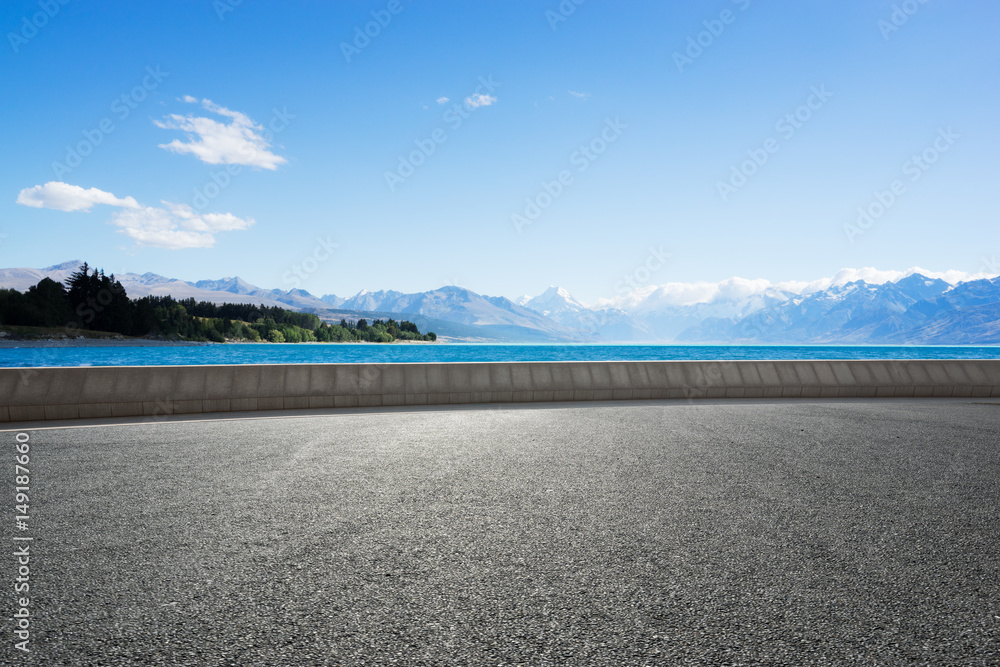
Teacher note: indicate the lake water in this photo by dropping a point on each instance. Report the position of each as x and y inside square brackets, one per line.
[171, 355]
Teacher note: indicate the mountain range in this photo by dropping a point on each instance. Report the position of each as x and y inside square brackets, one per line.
[915, 309]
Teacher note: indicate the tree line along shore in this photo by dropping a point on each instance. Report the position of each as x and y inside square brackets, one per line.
[92, 303]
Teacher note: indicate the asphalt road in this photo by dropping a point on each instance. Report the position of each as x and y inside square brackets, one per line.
[792, 533]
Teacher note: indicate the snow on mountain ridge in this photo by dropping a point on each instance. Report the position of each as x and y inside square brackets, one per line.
[849, 308]
[914, 310]
[738, 290]
[554, 300]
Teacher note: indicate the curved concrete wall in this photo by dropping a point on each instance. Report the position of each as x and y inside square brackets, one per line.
[28, 394]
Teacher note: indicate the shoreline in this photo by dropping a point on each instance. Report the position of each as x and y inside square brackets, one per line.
[7, 344]
[98, 342]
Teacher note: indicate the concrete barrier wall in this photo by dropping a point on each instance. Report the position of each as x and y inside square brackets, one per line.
[28, 394]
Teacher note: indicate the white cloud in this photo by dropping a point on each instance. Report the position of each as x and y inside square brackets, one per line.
[239, 141]
[739, 289]
[582, 96]
[175, 227]
[66, 197]
[443, 100]
[688, 294]
[479, 100]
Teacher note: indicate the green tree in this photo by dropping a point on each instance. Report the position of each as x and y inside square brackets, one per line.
[14, 307]
[50, 304]
[291, 334]
[98, 301]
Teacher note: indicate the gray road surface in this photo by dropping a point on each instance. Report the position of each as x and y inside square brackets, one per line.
[798, 532]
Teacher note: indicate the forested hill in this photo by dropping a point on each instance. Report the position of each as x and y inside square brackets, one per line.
[94, 302]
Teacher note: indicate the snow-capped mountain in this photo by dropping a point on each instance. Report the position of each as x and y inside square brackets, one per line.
[365, 300]
[235, 285]
[231, 290]
[456, 304]
[667, 310]
[591, 324]
[332, 300]
[554, 301]
[451, 312]
[902, 307]
[916, 309]
[22, 279]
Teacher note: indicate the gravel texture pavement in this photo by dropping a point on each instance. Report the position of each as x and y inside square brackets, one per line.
[654, 533]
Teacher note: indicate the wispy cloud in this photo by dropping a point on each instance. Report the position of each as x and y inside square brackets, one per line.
[443, 100]
[479, 100]
[173, 227]
[238, 141]
[688, 294]
[581, 96]
[65, 197]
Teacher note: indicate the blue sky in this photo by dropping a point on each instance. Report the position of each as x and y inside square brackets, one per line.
[749, 154]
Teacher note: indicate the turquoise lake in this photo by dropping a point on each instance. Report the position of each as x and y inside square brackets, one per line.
[170, 355]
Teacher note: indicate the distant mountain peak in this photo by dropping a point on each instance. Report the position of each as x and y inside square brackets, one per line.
[554, 301]
[234, 284]
[859, 306]
[556, 291]
[920, 279]
[71, 265]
